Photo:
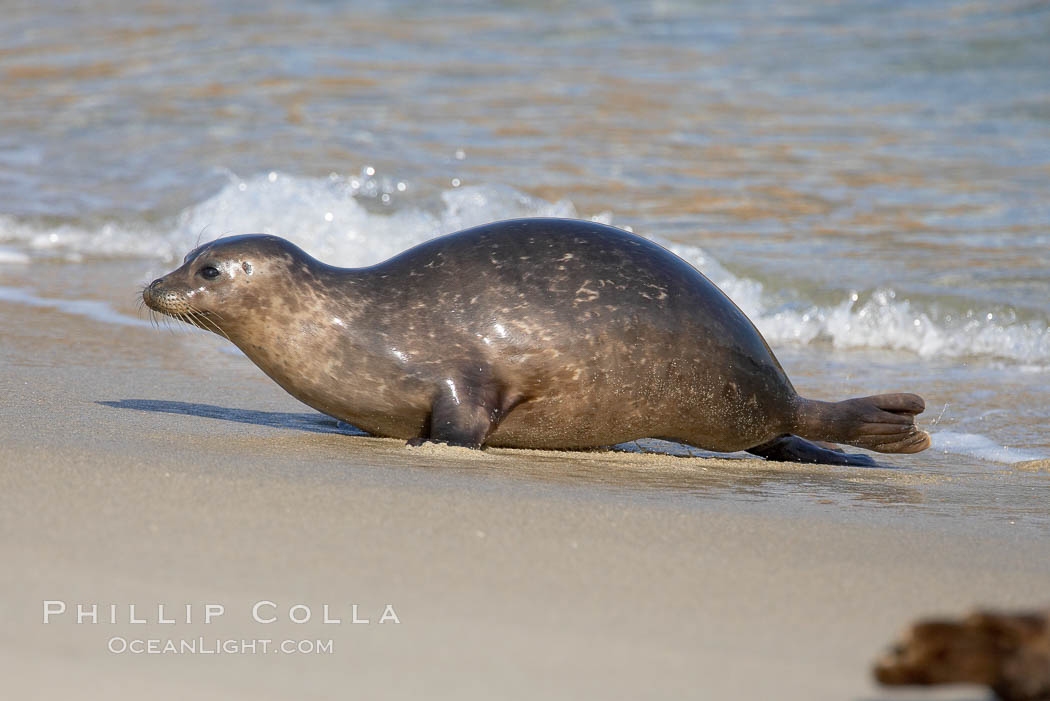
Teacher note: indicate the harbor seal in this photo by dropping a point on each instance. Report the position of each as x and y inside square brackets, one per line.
[526, 333]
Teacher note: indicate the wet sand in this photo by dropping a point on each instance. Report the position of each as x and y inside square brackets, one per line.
[140, 466]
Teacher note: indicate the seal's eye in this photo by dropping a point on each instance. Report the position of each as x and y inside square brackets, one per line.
[209, 273]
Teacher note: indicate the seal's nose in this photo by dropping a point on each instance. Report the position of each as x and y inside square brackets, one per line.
[147, 293]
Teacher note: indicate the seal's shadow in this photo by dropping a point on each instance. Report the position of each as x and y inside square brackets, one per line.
[751, 483]
[319, 423]
[313, 422]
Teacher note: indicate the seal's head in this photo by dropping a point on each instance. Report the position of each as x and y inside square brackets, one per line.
[222, 281]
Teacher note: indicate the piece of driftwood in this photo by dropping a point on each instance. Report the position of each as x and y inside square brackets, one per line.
[1008, 652]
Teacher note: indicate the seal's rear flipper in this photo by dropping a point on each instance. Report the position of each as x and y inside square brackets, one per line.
[794, 449]
[884, 422]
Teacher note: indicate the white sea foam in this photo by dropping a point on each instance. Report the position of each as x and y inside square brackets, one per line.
[981, 447]
[879, 319]
[322, 216]
[325, 217]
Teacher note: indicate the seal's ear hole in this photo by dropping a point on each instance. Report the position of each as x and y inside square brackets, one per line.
[247, 267]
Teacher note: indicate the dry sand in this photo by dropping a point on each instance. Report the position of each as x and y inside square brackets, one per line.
[144, 467]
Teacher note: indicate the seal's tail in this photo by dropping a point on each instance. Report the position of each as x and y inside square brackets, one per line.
[885, 422]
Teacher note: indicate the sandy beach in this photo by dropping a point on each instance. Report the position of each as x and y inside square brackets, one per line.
[147, 467]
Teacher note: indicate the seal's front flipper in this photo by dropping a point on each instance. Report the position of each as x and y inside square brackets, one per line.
[794, 449]
[463, 414]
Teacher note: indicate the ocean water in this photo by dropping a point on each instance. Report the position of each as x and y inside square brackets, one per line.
[868, 181]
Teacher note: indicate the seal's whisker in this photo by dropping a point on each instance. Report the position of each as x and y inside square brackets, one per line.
[198, 311]
[194, 318]
[165, 321]
[208, 325]
[197, 318]
[184, 319]
[168, 326]
[188, 319]
[219, 330]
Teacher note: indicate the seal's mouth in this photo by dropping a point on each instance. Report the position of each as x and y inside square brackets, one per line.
[165, 300]
[174, 304]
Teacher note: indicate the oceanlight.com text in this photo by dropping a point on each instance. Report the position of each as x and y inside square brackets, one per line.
[217, 646]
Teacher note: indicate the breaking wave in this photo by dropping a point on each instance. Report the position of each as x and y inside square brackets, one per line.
[327, 217]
